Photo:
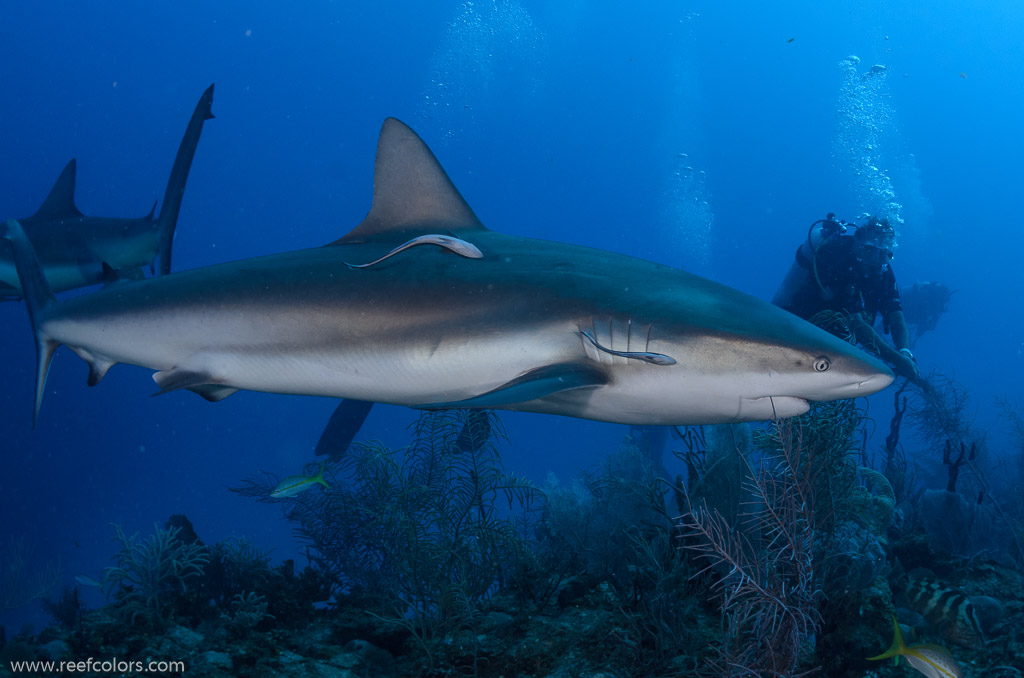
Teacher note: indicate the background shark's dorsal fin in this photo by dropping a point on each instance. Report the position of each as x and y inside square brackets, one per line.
[411, 191]
[60, 204]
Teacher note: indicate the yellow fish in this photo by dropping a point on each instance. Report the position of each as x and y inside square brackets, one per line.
[292, 485]
[934, 661]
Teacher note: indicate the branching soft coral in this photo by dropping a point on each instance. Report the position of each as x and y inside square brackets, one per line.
[149, 570]
[764, 569]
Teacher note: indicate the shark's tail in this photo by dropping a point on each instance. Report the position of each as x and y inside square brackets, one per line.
[179, 175]
[38, 296]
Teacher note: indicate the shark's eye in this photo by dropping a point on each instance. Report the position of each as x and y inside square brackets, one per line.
[822, 363]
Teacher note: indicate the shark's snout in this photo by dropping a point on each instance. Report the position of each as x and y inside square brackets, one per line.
[875, 383]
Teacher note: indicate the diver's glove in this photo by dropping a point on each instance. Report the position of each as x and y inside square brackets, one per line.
[912, 370]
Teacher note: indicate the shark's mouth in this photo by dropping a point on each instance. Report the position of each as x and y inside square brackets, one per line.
[773, 407]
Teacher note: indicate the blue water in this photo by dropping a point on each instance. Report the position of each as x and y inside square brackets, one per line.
[565, 121]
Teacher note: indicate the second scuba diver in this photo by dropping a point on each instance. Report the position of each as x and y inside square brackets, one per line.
[851, 275]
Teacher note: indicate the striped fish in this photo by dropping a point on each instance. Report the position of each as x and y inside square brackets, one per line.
[934, 661]
[948, 611]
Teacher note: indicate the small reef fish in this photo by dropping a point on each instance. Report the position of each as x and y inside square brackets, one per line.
[647, 357]
[82, 580]
[460, 247]
[934, 661]
[293, 485]
[947, 610]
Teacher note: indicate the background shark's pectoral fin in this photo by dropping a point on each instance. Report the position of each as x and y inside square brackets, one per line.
[533, 385]
[179, 377]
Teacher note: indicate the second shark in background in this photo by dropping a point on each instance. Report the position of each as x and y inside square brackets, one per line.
[76, 250]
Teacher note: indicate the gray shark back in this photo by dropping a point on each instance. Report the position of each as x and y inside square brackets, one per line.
[530, 325]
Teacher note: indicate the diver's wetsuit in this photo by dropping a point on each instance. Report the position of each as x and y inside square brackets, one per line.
[847, 287]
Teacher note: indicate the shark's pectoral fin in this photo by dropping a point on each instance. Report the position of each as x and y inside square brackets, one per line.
[180, 377]
[213, 393]
[537, 383]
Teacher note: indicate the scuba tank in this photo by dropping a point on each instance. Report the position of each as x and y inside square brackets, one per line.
[803, 270]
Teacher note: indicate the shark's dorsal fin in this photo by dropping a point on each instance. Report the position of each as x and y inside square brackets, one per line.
[60, 204]
[411, 191]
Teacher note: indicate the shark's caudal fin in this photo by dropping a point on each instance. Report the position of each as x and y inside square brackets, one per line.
[60, 203]
[179, 175]
[38, 296]
[411, 192]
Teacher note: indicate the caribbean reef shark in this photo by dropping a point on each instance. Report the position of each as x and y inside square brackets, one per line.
[527, 325]
[77, 251]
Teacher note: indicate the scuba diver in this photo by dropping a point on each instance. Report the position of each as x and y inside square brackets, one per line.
[849, 276]
[923, 304]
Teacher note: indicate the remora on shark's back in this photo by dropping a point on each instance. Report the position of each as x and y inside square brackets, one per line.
[77, 251]
[531, 325]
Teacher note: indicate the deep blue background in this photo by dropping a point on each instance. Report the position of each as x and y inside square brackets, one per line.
[557, 120]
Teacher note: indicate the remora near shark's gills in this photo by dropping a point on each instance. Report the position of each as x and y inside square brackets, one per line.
[77, 251]
[532, 325]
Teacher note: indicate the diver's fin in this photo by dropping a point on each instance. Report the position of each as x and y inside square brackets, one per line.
[179, 377]
[213, 393]
[411, 191]
[38, 296]
[179, 175]
[538, 383]
[60, 203]
[342, 427]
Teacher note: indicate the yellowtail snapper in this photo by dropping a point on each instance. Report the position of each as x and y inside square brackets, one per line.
[934, 661]
[293, 485]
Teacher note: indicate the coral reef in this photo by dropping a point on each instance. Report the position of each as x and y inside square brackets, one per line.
[21, 579]
[149, 570]
[420, 538]
[792, 551]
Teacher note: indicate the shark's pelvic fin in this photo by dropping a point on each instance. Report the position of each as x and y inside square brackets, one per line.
[411, 191]
[60, 203]
[201, 383]
[38, 296]
[535, 384]
[181, 377]
[213, 393]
